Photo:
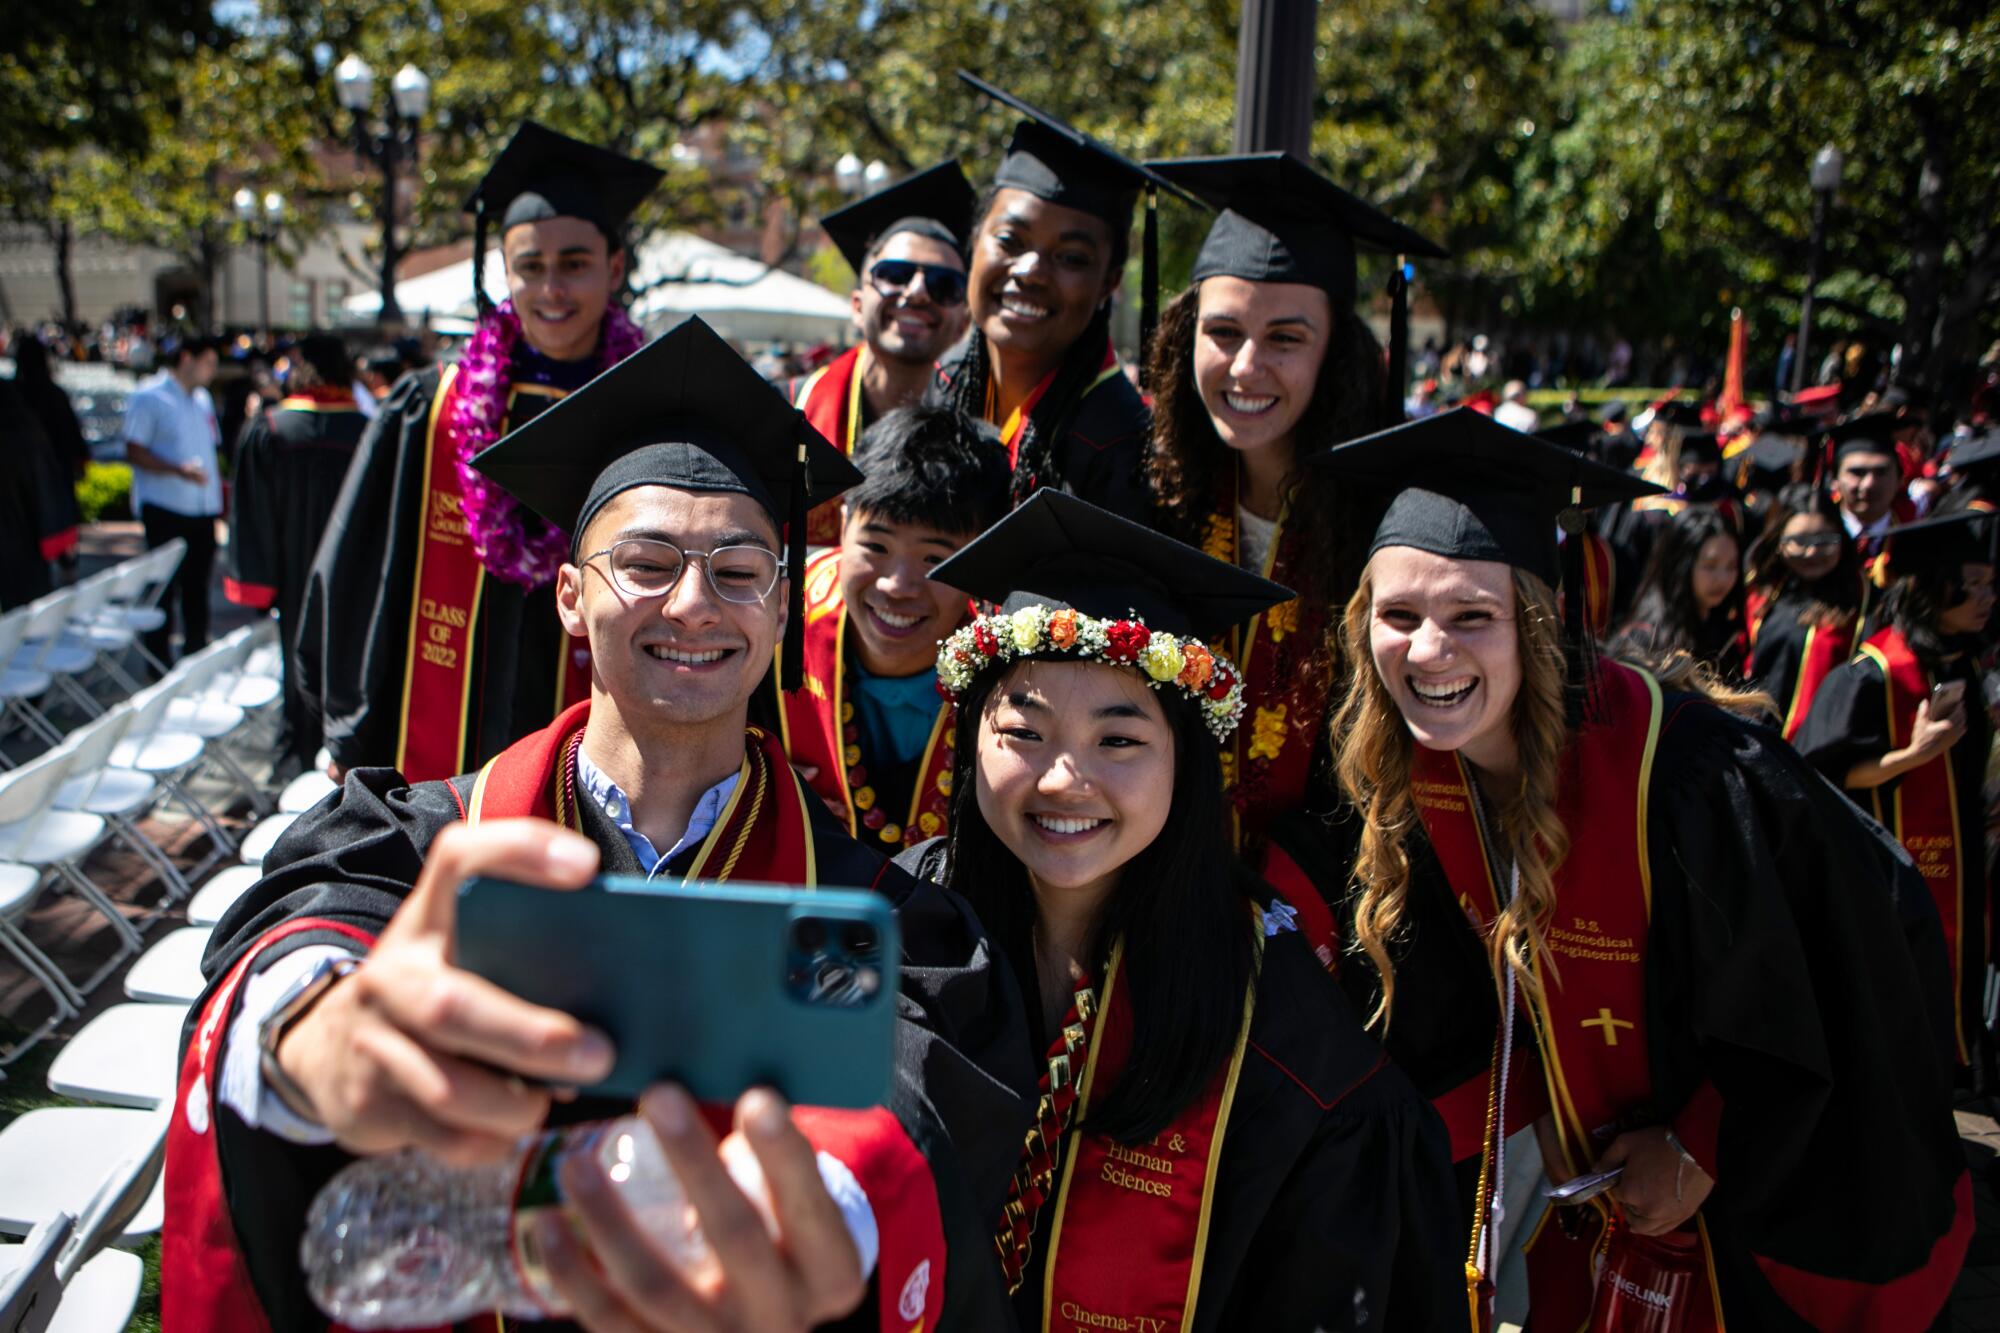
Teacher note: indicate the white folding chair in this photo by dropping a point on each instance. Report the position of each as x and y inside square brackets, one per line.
[39, 845]
[172, 756]
[305, 791]
[98, 1297]
[53, 1160]
[106, 642]
[261, 839]
[135, 602]
[21, 686]
[121, 796]
[30, 1290]
[126, 1056]
[170, 971]
[215, 720]
[47, 651]
[216, 897]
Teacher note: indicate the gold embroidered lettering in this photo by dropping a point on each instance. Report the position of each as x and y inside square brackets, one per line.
[1113, 1174]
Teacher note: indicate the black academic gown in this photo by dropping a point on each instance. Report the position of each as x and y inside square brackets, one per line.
[24, 571]
[1795, 962]
[1098, 442]
[963, 1089]
[1849, 723]
[354, 626]
[1334, 1203]
[290, 465]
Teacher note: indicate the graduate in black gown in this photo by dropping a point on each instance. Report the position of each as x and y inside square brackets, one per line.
[1690, 599]
[290, 465]
[1803, 601]
[1220, 1145]
[24, 570]
[1048, 247]
[1704, 987]
[297, 1058]
[1903, 728]
[429, 632]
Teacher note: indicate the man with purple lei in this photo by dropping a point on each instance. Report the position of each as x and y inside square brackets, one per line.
[429, 636]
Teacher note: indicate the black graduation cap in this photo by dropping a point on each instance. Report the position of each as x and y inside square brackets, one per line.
[1940, 544]
[1474, 489]
[1059, 551]
[683, 411]
[1282, 221]
[1870, 433]
[1687, 416]
[1576, 436]
[1979, 449]
[1701, 447]
[542, 174]
[1615, 410]
[1771, 452]
[936, 202]
[1053, 160]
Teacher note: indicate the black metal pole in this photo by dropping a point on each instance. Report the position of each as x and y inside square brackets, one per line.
[1813, 249]
[392, 313]
[1274, 76]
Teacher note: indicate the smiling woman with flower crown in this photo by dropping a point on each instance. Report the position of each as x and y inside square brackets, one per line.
[1218, 1145]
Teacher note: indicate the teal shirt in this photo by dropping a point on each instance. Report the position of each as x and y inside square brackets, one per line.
[896, 714]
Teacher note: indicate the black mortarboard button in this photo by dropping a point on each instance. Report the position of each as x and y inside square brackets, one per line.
[1941, 544]
[1053, 160]
[936, 202]
[1979, 449]
[683, 411]
[1059, 551]
[1282, 221]
[1870, 433]
[1575, 436]
[542, 174]
[1477, 490]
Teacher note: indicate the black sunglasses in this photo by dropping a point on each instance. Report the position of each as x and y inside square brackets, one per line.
[892, 277]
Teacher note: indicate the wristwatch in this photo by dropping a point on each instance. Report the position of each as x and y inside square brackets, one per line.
[291, 1007]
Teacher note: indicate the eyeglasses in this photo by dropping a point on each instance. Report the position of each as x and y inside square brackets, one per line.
[641, 567]
[1810, 545]
[892, 277]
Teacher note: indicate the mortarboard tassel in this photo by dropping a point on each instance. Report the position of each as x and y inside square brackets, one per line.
[482, 304]
[794, 651]
[1149, 282]
[1399, 342]
[1579, 652]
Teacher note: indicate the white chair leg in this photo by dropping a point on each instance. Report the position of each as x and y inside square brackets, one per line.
[93, 895]
[69, 1002]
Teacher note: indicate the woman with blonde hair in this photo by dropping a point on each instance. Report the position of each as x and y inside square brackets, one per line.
[1678, 915]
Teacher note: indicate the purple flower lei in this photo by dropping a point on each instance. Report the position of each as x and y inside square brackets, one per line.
[513, 543]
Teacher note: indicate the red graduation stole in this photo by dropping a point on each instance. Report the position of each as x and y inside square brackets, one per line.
[1826, 648]
[831, 401]
[1591, 1018]
[764, 833]
[1922, 812]
[1268, 760]
[818, 728]
[1129, 1226]
[1016, 424]
[434, 729]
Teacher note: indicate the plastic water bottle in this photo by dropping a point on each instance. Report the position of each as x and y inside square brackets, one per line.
[404, 1240]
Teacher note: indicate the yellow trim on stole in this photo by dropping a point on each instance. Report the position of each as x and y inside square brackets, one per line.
[417, 580]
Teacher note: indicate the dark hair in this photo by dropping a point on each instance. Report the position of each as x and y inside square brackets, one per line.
[176, 350]
[1179, 905]
[1663, 620]
[929, 229]
[1830, 600]
[327, 356]
[31, 361]
[1034, 463]
[1914, 605]
[931, 465]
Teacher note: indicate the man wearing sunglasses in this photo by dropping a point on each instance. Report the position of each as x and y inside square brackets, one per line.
[906, 247]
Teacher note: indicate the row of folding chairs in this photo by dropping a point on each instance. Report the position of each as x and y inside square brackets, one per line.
[211, 713]
[73, 646]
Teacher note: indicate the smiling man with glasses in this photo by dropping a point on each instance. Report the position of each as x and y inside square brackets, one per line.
[683, 476]
[906, 247]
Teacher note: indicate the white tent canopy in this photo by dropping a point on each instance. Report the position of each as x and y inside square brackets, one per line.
[678, 274]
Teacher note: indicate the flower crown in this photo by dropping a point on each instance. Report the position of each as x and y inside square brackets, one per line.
[1205, 676]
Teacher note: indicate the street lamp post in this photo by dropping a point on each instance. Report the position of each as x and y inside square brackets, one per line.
[386, 146]
[263, 229]
[854, 179]
[1825, 177]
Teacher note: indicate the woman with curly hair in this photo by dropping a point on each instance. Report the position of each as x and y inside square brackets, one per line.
[1049, 242]
[1218, 1143]
[1903, 729]
[1677, 917]
[1803, 601]
[1259, 365]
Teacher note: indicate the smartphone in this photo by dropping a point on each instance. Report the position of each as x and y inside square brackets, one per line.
[1946, 696]
[1577, 1189]
[720, 987]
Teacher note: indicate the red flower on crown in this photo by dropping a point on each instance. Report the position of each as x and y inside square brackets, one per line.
[1220, 684]
[1123, 640]
[983, 639]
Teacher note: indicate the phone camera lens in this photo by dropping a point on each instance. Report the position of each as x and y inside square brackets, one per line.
[809, 935]
[859, 939]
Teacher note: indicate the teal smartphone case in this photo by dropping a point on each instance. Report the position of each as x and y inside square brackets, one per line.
[720, 987]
